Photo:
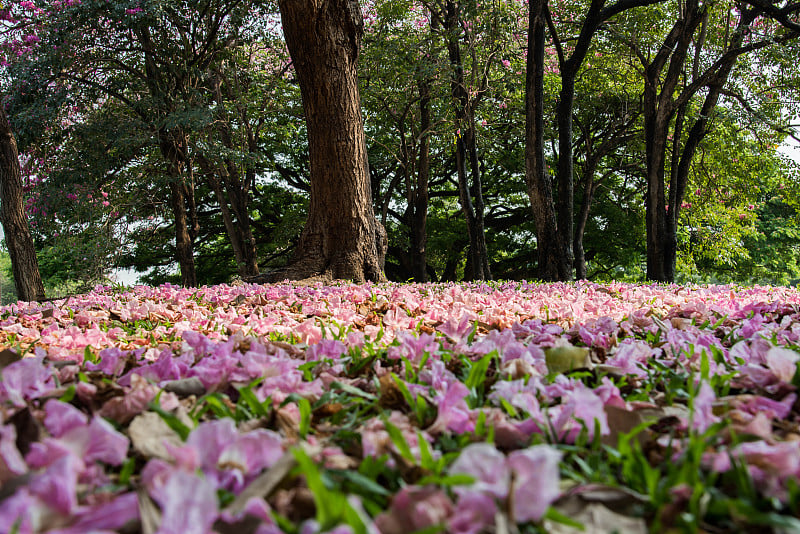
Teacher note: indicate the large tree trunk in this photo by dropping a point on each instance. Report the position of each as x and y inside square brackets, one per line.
[24, 265]
[553, 262]
[341, 238]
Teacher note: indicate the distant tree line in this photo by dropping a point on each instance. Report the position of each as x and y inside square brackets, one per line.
[409, 139]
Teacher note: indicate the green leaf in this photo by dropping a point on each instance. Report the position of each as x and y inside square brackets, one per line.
[477, 373]
[554, 515]
[448, 480]
[305, 416]
[125, 473]
[327, 503]
[172, 420]
[361, 482]
[399, 441]
[347, 388]
[247, 396]
[68, 395]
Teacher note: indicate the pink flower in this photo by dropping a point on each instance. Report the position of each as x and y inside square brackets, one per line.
[782, 362]
[11, 461]
[453, 412]
[61, 417]
[188, 503]
[536, 481]
[473, 513]
[25, 379]
[414, 508]
[506, 63]
[487, 465]
[702, 408]
[582, 405]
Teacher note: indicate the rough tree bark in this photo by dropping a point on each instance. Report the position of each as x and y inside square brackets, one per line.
[24, 265]
[342, 239]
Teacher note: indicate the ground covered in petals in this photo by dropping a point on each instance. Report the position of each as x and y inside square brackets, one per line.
[400, 408]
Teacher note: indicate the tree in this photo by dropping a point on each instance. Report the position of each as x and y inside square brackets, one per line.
[24, 264]
[558, 255]
[450, 18]
[671, 83]
[554, 261]
[342, 239]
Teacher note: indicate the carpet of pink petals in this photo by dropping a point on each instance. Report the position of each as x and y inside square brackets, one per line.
[82, 448]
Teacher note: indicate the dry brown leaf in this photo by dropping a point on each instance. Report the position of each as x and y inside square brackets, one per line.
[7, 357]
[149, 514]
[595, 517]
[186, 387]
[265, 483]
[246, 525]
[621, 421]
[148, 433]
[619, 500]
[288, 423]
[390, 397]
[565, 358]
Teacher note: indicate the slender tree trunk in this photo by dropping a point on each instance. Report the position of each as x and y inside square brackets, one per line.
[466, 152]
[240, 201]
[24, 264]
[552, 263]
[656, 124]
[341, 238]
[419, 236]
[234, 235]
[183, 240]
[679, 178]
[566, 188]
[238, 192]
[589, 189]
[172, 143]
[659, 108]
[174, 153]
